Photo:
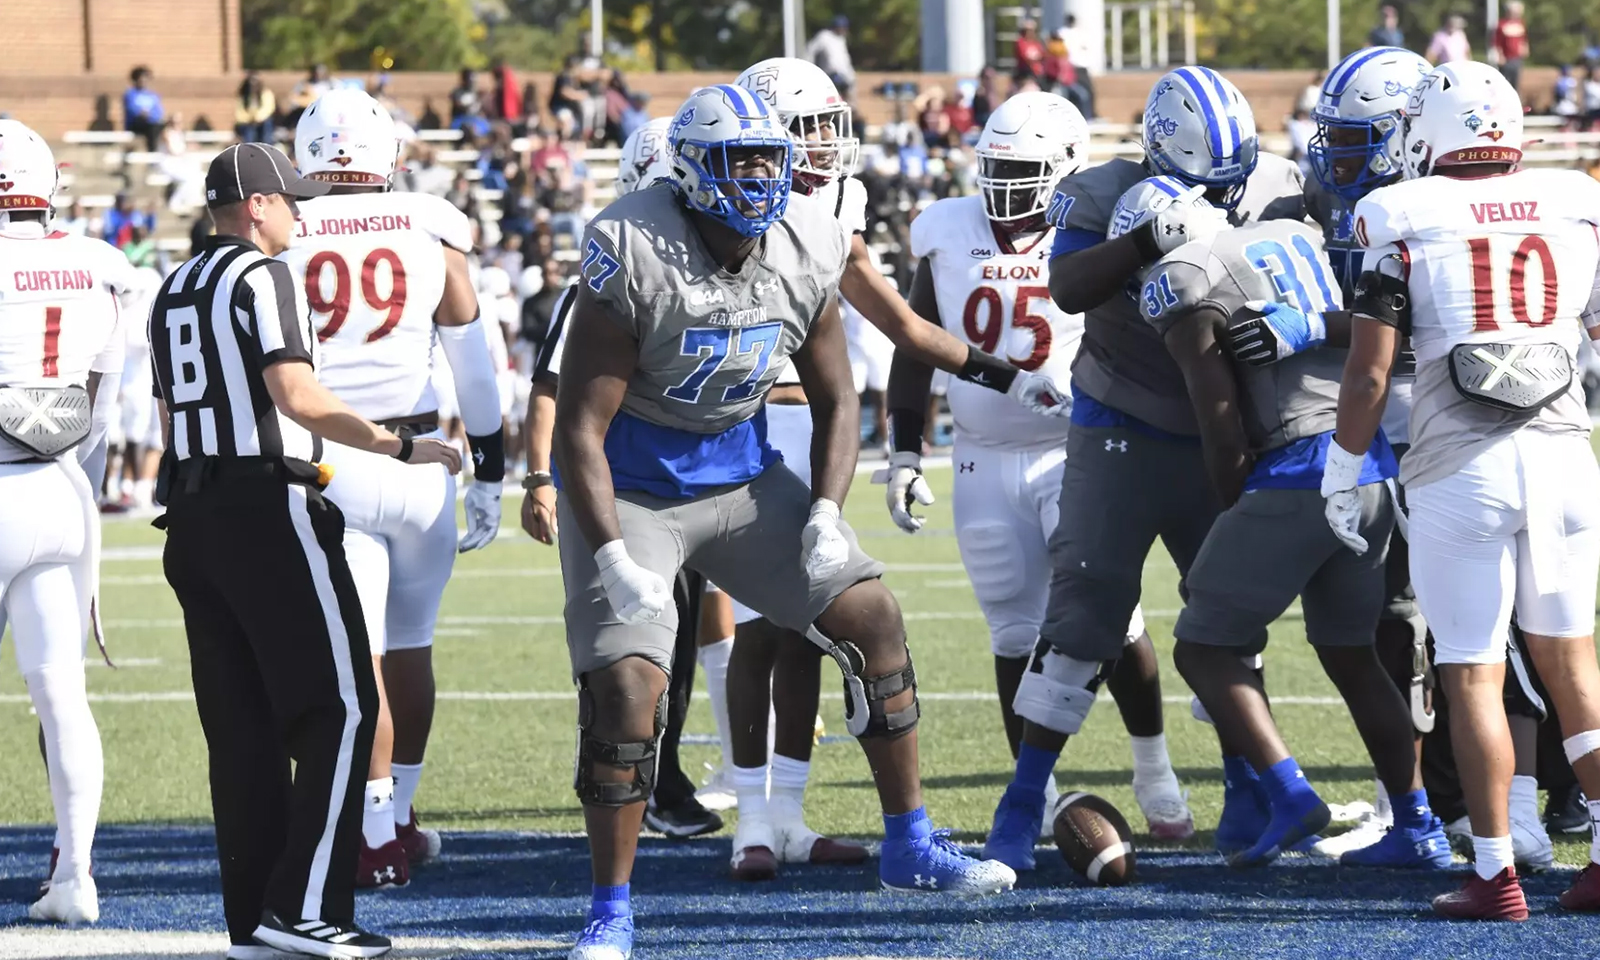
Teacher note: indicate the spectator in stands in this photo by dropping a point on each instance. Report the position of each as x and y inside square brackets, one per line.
[569, 104]
[1068, 76]
[74, 221]
[1387, 33]
[1591, 97]
[1029, 53]
[506, 98]
[932, 118]
[530, 110]
[116, 228]
[199, 235]
[1081, 47]
[186, 176]
[634, 115]
[254, 113]
[616, 98]
[830, 50]
[541, 241]
[140, 248]
[1311, 93]
[987, 97]
[430, 119]
[460, 193]
[1565, 99]
[1301, 129]
[306, 92]
[424, 174]
[497, 162]
[142, 110]
[1450, 43]
[507, 254]
[536, 309]
[464, 99]
[382, 93]
[1510, 46]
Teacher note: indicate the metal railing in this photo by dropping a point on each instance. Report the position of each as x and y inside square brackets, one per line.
[1157, 21]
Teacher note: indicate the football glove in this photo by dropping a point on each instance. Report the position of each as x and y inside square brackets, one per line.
[906, 486]
[1039, 394]
[1264, 332]
[636, 594]
[483, 515]
[823, 548]
[1339, 488]
[1181, 223]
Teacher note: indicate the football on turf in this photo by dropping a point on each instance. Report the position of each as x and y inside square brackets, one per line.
[1094, 839]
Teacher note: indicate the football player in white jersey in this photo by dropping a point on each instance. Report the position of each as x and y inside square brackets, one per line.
[1491, 271]
[133, 474]
[983, 273]
[60, 361]
[386, 279]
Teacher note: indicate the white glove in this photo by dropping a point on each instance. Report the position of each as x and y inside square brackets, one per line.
[483, 515]
[1039, 394]
[823, 548]
[636, 594]
[1343, 507]
[1182, 223]
[904, 477]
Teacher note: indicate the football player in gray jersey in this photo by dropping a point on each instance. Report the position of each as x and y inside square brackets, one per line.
[1270, 545]
[694, 294]
[1134, 469]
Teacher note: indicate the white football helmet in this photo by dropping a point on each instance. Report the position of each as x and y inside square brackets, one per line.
[1145, 199]
[28, 172]
[1464, 112]
[810, 108]
[1031, 142]
[1199, 128]
[345, 136]
[645, 157]
[717, 130]
[1357, 146]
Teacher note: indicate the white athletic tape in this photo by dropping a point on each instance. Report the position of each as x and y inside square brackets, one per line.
[1104, 857]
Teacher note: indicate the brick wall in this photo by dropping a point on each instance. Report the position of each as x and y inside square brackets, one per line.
[176, 38]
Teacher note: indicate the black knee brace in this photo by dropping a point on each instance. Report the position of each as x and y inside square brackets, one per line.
[864, 697]
[639, 756]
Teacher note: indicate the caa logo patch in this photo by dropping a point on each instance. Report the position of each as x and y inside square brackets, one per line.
[701, 298]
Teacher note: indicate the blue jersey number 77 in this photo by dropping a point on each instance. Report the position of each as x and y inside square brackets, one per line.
[711, 346]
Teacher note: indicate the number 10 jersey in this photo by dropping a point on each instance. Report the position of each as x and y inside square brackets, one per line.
[996, 297]
[374, 275]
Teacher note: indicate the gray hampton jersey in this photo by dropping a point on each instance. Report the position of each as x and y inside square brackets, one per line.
[1278, 260]
[711, 342]
[1123, 362]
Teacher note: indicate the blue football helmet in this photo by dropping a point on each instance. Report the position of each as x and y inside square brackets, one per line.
[1357, 147]
[711, 134]
[1199, 128]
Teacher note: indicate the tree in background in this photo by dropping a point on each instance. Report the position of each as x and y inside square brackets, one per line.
[417, 34]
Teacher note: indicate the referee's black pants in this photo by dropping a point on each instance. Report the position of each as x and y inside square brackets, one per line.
[282, 671]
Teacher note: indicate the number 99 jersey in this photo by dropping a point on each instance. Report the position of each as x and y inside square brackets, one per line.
[997, 298]
[374, 276]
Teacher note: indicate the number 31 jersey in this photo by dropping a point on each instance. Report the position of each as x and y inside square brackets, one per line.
[374, 275]
[997, 298]
[1508, 259]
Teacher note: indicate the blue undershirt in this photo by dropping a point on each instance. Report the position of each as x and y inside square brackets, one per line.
[679, 464]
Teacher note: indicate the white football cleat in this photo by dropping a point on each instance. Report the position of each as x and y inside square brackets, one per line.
[798, 843]
[1531, 850]
[1165, 807]
[74, 900]
[1369, 829]
[717, 794]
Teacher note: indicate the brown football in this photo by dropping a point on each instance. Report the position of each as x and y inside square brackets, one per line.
[1094, 839]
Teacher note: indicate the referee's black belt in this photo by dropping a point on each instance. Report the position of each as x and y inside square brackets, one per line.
[196, 473]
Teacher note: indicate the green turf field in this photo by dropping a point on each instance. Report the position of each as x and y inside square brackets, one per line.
[502, 746]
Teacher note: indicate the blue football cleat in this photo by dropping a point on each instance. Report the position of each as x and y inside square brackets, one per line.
[1245, 812]
[927, 862]
[1405, 848]
[1295, 821]
[1017, 822]
[605, 938]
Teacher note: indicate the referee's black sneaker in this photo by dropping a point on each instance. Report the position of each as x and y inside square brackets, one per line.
[681, 819]
[319, 938]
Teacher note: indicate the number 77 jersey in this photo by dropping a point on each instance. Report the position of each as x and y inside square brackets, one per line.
[996, 296]
[374, 274]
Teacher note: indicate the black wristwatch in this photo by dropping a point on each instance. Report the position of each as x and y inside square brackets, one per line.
[537, 479]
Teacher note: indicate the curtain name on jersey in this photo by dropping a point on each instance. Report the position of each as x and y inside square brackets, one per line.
[45, 281]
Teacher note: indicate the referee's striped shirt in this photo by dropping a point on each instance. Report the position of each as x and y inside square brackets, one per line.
[218, 322]
[547, 363]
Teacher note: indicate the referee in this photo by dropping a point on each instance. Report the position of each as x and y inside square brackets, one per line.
[277, 646]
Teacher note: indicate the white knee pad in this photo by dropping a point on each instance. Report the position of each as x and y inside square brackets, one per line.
[1057, 691]
[990, 551]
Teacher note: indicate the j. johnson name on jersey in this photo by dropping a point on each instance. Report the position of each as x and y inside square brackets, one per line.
[345, 226]
[35, 281]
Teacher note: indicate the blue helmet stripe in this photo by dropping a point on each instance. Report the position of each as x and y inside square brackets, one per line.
[1346, 72]
[1237, 140]
[740, 98]
[1198, 88]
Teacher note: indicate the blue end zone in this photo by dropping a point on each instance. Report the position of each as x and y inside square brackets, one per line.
[525, 887]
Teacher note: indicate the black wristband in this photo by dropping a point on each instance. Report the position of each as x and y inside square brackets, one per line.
[908, 427]
[488, 456]
[404, 456]
[1144, 240]
[987, 370]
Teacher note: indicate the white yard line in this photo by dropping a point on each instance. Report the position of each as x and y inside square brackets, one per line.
[39, 943]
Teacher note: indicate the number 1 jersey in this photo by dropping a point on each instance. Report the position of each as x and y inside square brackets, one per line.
[374, 275]
[996, 297]
[1509, 259]
[59, 309]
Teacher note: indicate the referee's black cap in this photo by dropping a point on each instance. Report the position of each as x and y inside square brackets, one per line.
[250, 168]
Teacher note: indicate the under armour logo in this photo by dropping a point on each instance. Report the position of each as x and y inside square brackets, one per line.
[385, 875]
[932, 883]
[968, 467]
[1121, 446]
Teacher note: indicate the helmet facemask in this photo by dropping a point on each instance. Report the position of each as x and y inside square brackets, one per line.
[1352, 158]
[1016, 191]
[725, 190]
[825, 146]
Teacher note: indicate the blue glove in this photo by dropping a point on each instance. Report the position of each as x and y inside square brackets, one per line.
[1264, 332]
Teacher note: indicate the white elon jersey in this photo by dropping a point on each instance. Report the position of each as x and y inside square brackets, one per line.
[847, 198]
[374, 275]
[997, 298]
[1508, 259]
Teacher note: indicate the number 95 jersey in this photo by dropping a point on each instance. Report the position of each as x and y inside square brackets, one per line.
[997, 298]
[374, 275]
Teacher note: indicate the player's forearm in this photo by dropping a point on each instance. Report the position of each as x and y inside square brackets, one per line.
[586, 480]
[540, 426]
[910, 382]
[1364, 387]
[881, 304]
[1084, 279]
[1214, 395]
[835, 444]
[314, 407]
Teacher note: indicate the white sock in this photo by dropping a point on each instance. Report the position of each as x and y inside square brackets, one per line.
[1594, 827]
[714, 661]
[377, 815]
[1150, 760]
[1493, 854]
[143, 492]
[1525, 799]
[1384, 808]
[407, 776]
[73, 755]
[750, 787]
[789, 778]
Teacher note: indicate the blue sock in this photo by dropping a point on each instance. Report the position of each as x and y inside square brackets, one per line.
[610, 901]
[1283, 779]
[907, 826]
[1034, 767]
[1412, 810]
[1237, 772]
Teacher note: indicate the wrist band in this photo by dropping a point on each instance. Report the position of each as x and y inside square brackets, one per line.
[987, 370]
[404, 456]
